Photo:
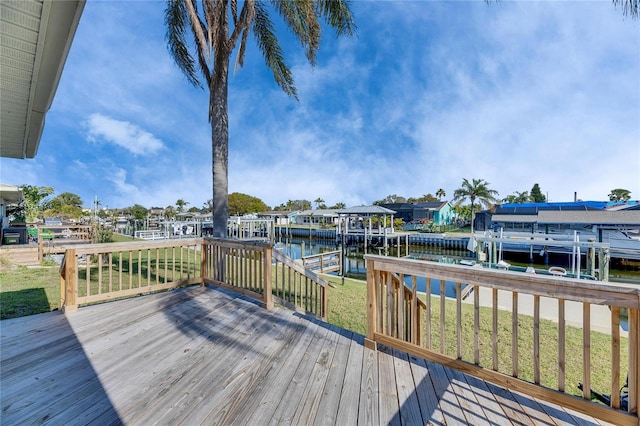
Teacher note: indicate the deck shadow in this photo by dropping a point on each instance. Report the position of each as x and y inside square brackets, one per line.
[28, 301]
[200, 319]
[42, 359]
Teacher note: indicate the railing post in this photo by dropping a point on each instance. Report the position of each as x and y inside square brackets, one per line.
[372, 303]
[63, 284]
[634, 361]
[268, 299]
[325, 302]
[40, 244]
[204, 257]
[71, 282]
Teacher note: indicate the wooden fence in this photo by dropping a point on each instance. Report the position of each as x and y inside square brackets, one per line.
[468, 336]
[99, 272]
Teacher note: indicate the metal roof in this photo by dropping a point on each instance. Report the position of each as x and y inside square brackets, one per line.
[437, 205]
[35, 38]
[605, 217]
[533, 208]
[520, 218]
[367, 210]
[319, 213]
[590, 217]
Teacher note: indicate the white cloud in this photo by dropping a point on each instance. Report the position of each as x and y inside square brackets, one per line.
[123, 134]
[425, 94]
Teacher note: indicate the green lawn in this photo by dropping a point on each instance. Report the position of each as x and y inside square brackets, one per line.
[27, 291]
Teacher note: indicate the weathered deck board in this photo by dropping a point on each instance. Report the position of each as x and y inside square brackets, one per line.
[369, 406]
[407, 397]
[427, 398]
[350, 396]
[206, 356]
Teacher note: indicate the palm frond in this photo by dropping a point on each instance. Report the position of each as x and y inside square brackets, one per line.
[629, 7]
[338, 14]
[199, 31]
[268, 44]
[176, 22]
[302, 19]
[234, 11]
[242, 28]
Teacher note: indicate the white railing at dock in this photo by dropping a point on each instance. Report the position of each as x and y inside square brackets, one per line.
[151, 235]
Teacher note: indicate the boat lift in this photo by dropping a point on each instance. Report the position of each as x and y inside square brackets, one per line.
[543, 242]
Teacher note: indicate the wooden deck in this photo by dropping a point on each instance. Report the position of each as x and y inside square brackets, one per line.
[206, 356]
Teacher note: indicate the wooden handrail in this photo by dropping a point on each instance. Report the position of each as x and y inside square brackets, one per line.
[329, 261]
[115, 270]
[97, 272]
[280, 257]
[299, 288]
[387, 323]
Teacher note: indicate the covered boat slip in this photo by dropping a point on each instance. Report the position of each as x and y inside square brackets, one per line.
[201, 355]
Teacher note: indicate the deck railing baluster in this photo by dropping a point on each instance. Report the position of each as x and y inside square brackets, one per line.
[390, 301]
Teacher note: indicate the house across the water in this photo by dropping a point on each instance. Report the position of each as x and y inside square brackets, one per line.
[617, 224]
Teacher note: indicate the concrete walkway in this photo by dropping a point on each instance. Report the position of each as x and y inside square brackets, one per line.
[600, 315]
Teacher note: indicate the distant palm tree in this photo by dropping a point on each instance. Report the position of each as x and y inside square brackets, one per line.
[518, 197]
[169, 212]
[181, 204]
[477, 189]
[319, 202]
[217, 30]
[440, 194]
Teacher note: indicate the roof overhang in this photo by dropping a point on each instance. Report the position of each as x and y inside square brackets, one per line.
[36, 36]
[10, 194]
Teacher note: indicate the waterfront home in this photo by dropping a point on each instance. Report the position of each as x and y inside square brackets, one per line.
[617, 224]
[437, 213]
[279, 217]
[318, 217]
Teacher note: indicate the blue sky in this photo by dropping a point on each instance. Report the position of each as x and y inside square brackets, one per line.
[425, 94]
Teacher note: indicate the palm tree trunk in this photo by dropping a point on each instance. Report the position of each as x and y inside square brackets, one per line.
[219, 117]
[473, 215]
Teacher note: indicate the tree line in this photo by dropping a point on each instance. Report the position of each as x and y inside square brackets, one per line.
[39, 203]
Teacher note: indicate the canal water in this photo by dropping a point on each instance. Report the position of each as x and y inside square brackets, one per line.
[355, 264]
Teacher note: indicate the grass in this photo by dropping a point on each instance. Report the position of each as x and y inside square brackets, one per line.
[27, 291]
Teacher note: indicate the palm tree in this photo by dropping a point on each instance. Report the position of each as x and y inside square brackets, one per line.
[181, 204]
[169, 212]
[218, 29]
[319, 202]
[477, 189]
[517, 197]
[440, 194]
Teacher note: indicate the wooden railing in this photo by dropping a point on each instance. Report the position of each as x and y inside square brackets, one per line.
[297, 287]
[100, 272]
[239, 266]
[53, 238]
[329, 261]
[466, 335]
